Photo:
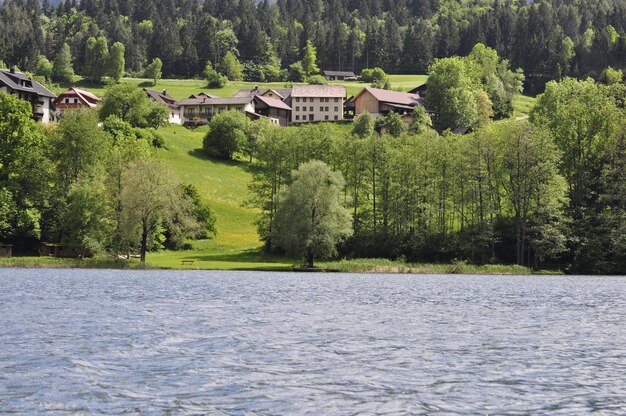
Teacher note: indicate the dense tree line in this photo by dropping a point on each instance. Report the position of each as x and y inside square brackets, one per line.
[548, 191]
[548, 39]
[97, 190]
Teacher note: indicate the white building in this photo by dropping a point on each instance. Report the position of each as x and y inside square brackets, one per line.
[317, 103]
[40, 98]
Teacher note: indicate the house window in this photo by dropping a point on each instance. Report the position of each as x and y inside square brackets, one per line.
[336, 117]
[336, 108]
[297, 108]
[327, 99]
[311, 117]
[326, 108]
[321, 108]
[304, 117]
[326, 117]
[75, 100]
[336, 100]
[297, 99]
[297, 118]
[310, 108]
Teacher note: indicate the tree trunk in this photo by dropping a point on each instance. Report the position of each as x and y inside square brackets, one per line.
[144, 245]
[309, 258]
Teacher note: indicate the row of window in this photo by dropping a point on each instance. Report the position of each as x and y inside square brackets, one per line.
[312, 118]
[312, 100]
[322, 109]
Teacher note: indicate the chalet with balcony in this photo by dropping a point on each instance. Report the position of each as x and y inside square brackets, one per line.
[74, 99]
[199, 109]
[161, 97]
[40, 98]
[312, 103]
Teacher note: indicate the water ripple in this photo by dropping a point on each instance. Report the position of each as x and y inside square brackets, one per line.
[111, 342]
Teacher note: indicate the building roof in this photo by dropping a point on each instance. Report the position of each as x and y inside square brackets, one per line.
[254, 92]
[161, 97]
[394, 98]
[273, 102]
[212, 100]
[419, 90]
[85, 97]
[339, 73]
[20, 82]
[319, 91]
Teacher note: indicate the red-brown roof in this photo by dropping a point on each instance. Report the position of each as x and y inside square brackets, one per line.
[393, 97]
[273, 102]
[87, 98]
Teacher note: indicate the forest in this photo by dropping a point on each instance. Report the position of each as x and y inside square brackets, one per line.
[544, 192]
[548, 40]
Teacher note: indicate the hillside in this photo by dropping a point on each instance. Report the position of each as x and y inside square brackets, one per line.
[224, 186]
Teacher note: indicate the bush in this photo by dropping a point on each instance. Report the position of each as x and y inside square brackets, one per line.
[214, 78]
[317, 80]
[226, 134]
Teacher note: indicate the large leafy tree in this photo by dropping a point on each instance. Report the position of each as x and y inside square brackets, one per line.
[584, 119]
[311, 219]
[228, 132]
[151, 199]
[24, 170]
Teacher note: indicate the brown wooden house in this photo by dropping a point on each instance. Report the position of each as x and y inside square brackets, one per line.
[379, 102]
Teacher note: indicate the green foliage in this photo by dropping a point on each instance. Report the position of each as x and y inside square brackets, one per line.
[96, 59]
[296, 72]
[392, 124]
[151, 199]
[420, 121]
[228, 131]
[62, 70]
[23, 169]
[317, 80]
[611, 76]
[132, 105]
[116, 63]
[43, 68]
[311, 219]
[450, 94]
[214, 78]
[231, 67]
[153, 71]
[363, 125]
[309, 60]
[202, 212]
[376, 77]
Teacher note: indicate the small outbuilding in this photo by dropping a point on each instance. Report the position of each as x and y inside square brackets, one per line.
[340, 75]
[6, 250]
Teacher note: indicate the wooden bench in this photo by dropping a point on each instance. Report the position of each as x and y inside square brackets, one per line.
[188, 262]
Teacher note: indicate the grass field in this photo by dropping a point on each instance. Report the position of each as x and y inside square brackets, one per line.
[183, 88]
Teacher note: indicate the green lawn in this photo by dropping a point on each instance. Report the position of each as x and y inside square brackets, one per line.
[183, 88]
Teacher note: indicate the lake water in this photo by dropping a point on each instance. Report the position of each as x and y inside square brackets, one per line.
[112, 342]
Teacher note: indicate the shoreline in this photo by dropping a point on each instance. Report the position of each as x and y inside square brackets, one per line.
[364, 266]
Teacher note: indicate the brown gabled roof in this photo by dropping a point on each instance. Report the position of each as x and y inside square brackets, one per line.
[281, 92]
[319, 91]
[392, 97]
[85, 97]
[273, 102]
[161, 97]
